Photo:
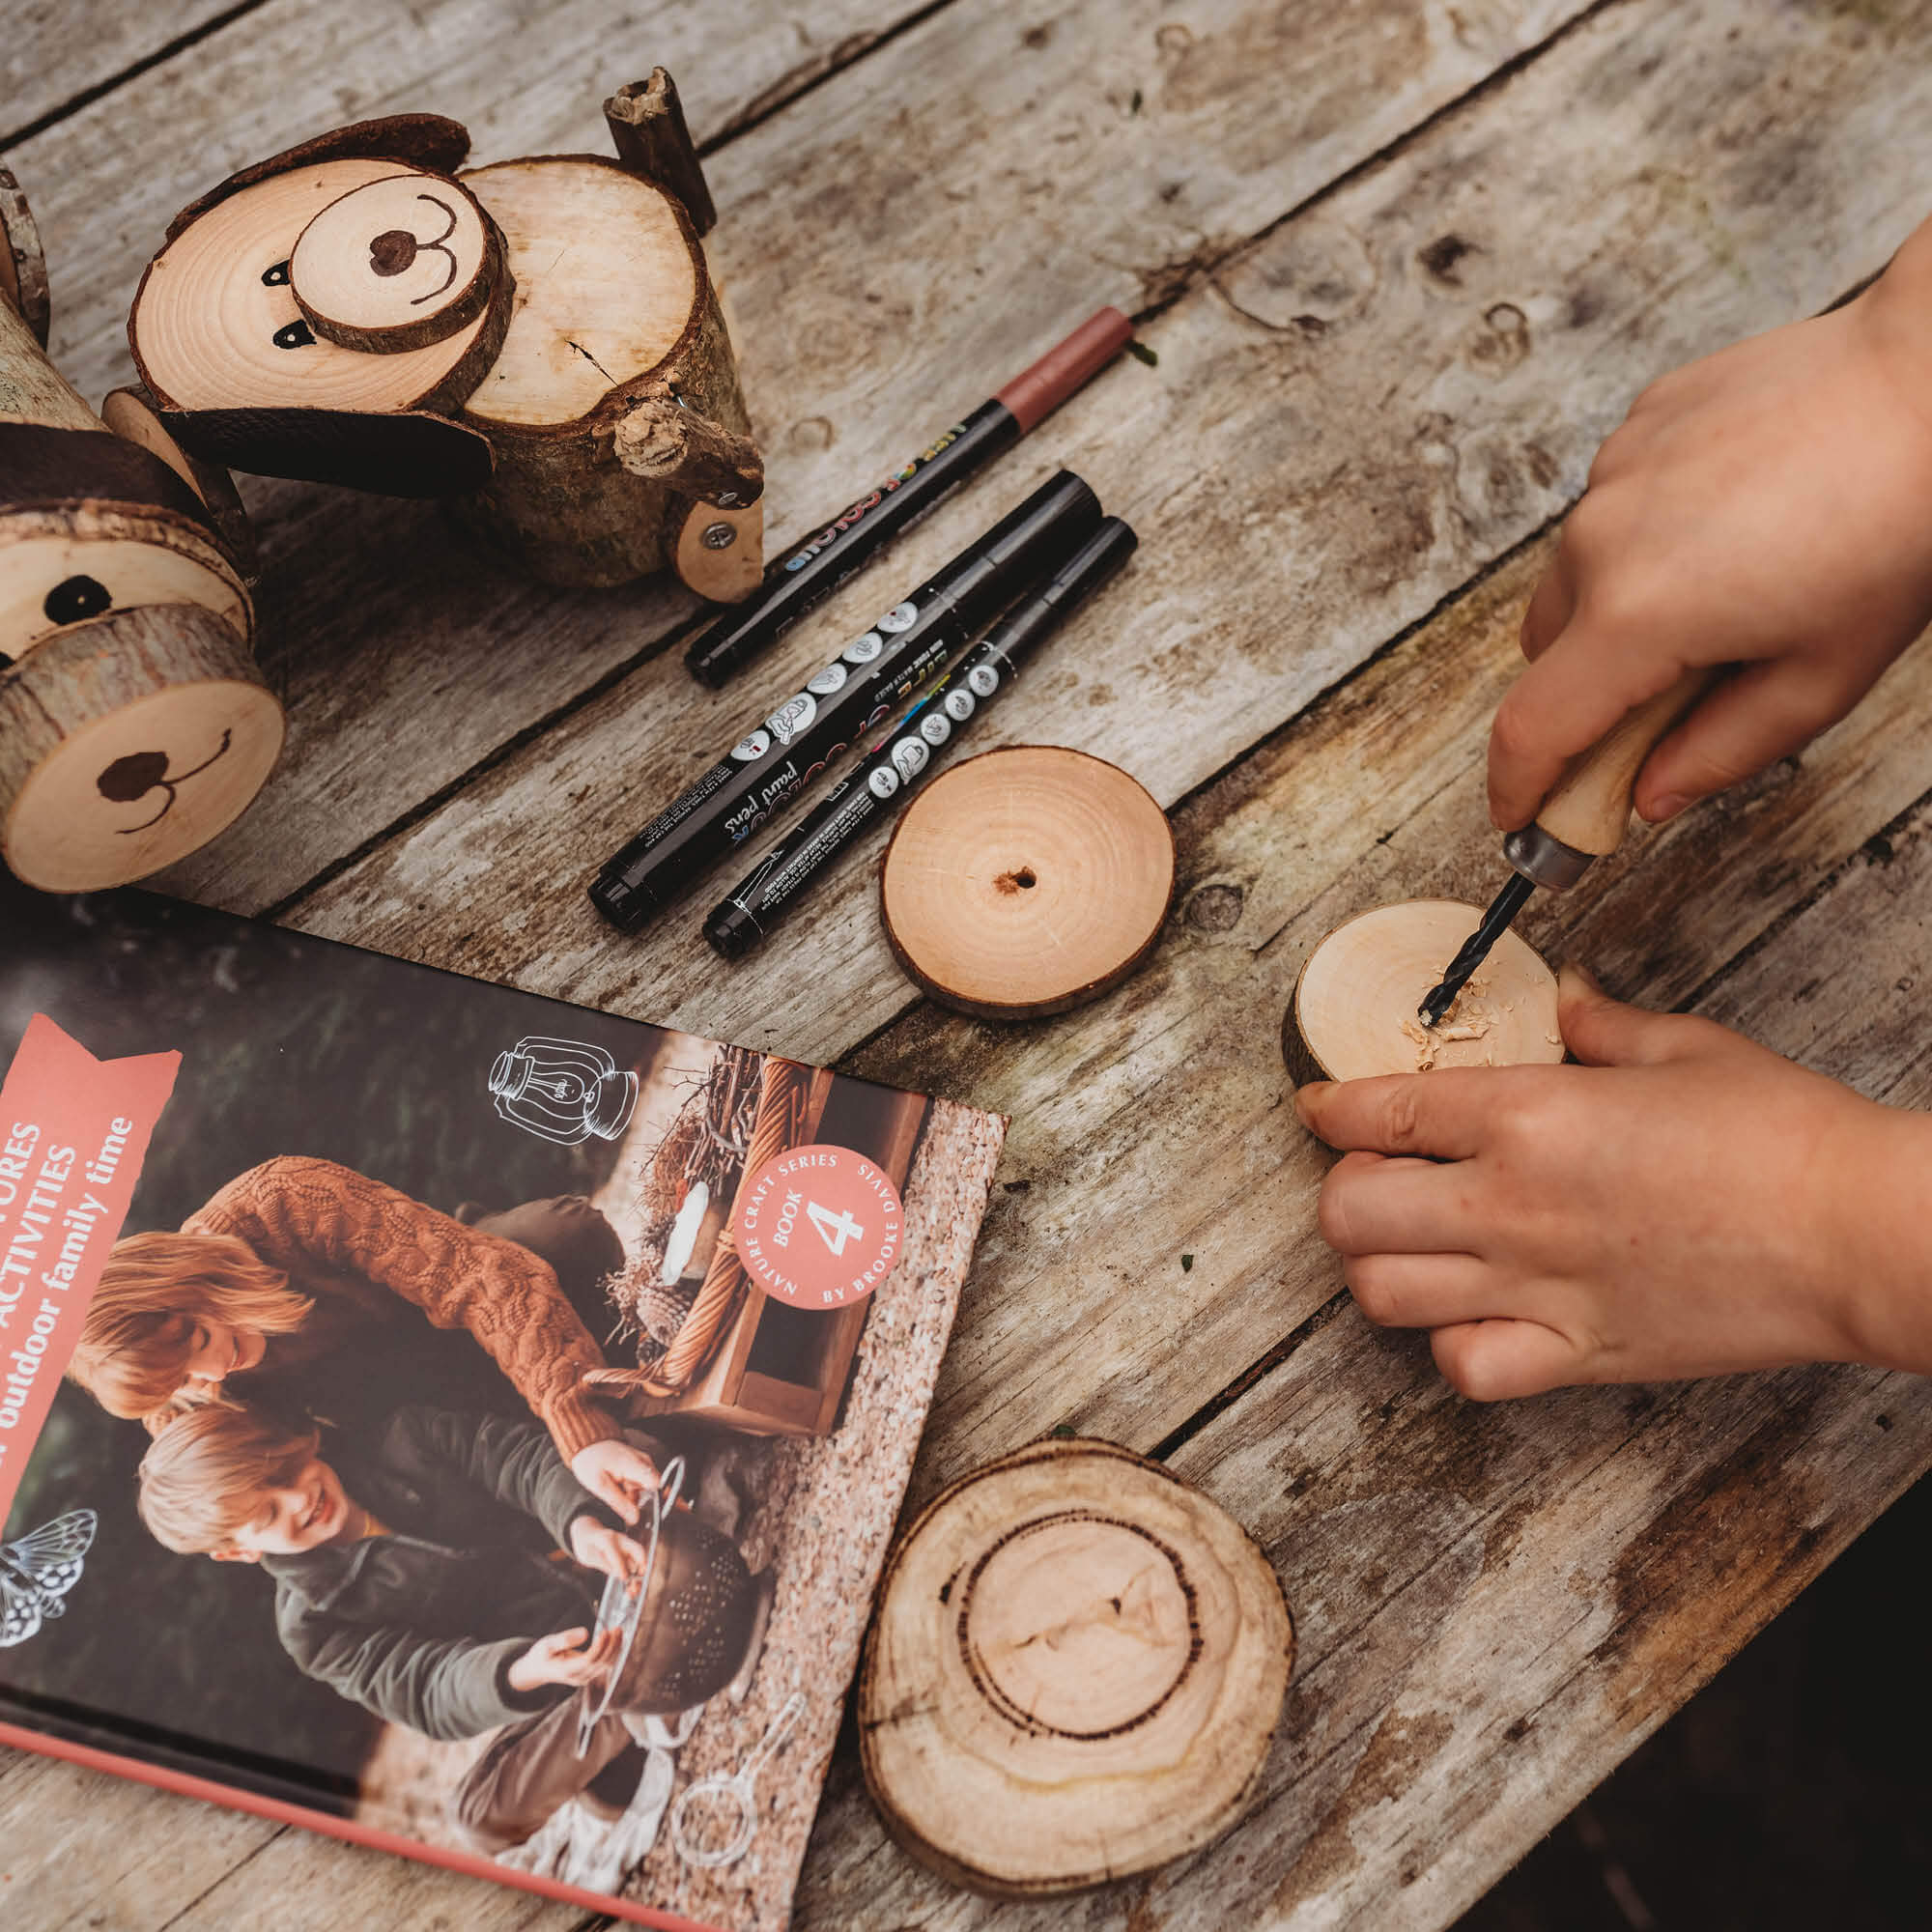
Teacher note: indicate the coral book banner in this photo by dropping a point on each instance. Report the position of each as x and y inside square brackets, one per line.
[73, 1132]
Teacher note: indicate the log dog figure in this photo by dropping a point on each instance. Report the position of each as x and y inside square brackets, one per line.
[538, 341]
[133, 723]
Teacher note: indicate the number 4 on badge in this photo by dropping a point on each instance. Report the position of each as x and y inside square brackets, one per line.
[833, 1230]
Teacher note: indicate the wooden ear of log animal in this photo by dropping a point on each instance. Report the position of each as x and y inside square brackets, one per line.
[1074, 1676]
[134, 723]
[539, 341]
[1354, 1012]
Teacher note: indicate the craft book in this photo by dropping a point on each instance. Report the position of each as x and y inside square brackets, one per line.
[455, 1420]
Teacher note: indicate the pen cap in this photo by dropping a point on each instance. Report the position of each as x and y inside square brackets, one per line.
[1096, 559]
[1020, 549]
[1037, 392]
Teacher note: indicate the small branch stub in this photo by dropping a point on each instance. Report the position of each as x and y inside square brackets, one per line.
[648, 126]
[1075, 1673]
[1027, 881]
[1354, 1011]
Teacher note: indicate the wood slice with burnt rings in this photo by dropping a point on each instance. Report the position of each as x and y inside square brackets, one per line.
[398, 264]
[1074, 1676]
[1027, 881]
[1354, 1011]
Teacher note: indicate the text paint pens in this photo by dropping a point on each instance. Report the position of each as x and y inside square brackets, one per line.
[749, 912]
[876, 672]
[811, 573]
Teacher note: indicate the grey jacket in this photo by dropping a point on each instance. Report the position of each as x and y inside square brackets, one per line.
[421, 1625]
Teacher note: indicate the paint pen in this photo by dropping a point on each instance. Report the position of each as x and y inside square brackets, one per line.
[870, 679]
[748, 912]
[812, 572]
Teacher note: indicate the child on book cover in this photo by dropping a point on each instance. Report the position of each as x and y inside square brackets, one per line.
[417, 1574]
[282, 1286]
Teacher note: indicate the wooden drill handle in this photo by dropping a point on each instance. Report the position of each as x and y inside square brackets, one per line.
[1589, 807]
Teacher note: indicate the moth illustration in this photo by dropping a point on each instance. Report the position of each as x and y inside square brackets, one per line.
[39, 1570]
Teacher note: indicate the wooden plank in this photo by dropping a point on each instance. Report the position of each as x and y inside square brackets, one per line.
[1301, 496]
[1494, 1605]
[52, 54]
[981, 186]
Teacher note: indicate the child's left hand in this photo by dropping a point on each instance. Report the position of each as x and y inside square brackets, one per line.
[1685, 1203]
[598, 1546]
[616, 1474]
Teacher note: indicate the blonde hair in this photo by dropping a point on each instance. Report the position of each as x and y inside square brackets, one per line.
[204, 1472]
[134, 1345]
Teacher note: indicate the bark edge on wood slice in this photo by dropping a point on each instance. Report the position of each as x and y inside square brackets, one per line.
[126, 742]
[399, 264]
[215, 324]
[23, 265]
[1027, 881]
[1354, 1011]
[1134, 1733]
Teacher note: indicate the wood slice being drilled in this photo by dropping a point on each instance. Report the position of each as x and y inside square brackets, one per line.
[1354, 1006]
[399, 264]
[1074, 1674]
[1027, 881]
[215, 324]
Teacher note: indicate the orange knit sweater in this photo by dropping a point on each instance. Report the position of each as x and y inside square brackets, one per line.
[334, 1232]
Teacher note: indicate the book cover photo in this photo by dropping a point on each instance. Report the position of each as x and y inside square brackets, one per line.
[456, 1420]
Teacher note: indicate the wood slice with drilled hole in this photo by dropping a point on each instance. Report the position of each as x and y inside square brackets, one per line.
[216, 324]
[1074, 1674]
[126, 742]
[1027, 881]
[1354, 1011]
[399, 264]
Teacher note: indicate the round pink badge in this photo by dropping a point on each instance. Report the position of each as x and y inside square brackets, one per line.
[819, 1226]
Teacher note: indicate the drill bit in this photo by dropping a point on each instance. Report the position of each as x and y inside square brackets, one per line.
[1476, 947]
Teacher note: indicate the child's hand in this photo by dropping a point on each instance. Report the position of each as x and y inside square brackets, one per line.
[568, 1658]
[616, 1474]
[1682, 1203]
[1766, 506]
[598, 1546]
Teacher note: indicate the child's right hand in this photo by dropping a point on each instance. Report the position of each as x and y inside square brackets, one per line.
[568, 1658]
[1763, 508]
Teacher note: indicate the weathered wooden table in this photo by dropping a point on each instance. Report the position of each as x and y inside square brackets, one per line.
[1403, 264]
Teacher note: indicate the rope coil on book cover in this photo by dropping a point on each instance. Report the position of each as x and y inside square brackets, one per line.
[778, 1121]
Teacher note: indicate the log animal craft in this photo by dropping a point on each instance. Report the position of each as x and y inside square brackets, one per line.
[539, 341]
[133, 723]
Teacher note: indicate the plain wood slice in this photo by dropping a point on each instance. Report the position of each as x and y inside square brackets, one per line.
[214, 312]
[127, 742]
[1027, 881]
[399, 264]
[1354, 1011]
[1076, 1669]
[609, 280]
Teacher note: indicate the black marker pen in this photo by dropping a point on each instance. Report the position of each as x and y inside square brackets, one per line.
[809, 575]
[876, 672]
[749, 911]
